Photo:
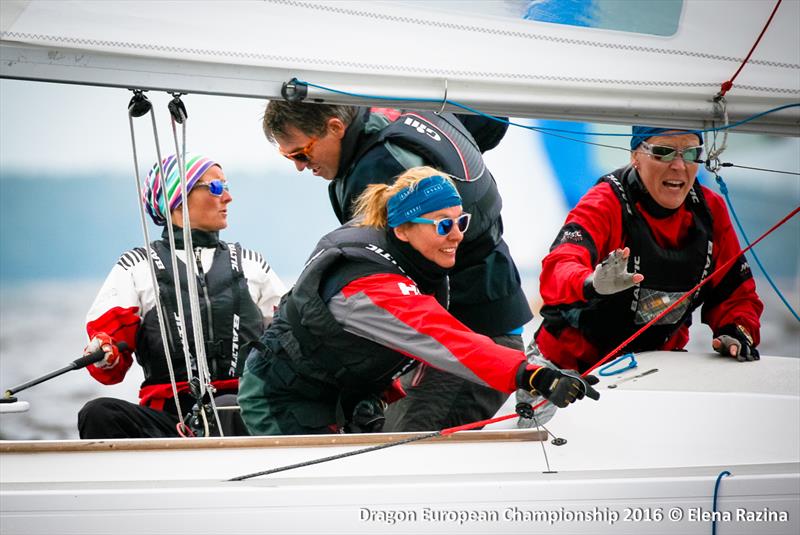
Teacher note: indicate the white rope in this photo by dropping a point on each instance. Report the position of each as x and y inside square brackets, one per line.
[151, 266]
[203, 371]
[174, 262]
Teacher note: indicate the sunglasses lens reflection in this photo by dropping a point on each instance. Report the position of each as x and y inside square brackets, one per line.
[445, 226]
[690, 155]
[667, 154]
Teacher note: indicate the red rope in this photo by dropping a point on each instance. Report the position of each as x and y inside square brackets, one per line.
[726, 86]
[473, 425]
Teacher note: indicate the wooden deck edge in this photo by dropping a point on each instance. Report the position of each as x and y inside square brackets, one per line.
[297, 441]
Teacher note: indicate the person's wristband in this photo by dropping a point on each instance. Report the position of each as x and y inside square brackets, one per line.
[533, 390]
[588, 289]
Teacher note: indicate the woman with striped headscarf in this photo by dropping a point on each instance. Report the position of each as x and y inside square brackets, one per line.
[237, 295]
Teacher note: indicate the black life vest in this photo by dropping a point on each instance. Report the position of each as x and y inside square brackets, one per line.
[486, 291]
[608, 320]
[235, 320]
[305, 332]
[444, 142]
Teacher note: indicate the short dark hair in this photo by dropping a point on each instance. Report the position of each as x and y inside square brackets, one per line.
[311, 119]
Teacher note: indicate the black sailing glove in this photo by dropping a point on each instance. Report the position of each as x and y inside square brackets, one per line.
[734, 341]
[560, 387]
[367, 416]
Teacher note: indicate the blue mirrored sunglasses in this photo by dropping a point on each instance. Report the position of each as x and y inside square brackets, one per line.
[445, 226]
[215, 187]
[663, 153]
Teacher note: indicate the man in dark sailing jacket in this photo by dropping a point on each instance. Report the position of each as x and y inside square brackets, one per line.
[354, 147]
[638, 240]
[237, 294]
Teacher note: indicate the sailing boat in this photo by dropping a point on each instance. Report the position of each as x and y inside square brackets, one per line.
[649, 462]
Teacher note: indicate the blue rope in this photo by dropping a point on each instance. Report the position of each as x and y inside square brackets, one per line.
[723, 188]
[714, 505]
[604, 372]
[525, 126]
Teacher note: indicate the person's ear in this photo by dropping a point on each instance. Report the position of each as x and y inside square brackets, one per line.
[336, 127]
[401, 234]
[635, 159]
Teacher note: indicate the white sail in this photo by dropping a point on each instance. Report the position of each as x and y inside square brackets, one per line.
[499, 65]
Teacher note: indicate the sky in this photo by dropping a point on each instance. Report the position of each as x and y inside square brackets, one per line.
[60, 132]
[55, 127]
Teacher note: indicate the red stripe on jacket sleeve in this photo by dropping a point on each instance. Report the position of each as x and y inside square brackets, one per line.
[397, 295]
[121, 324]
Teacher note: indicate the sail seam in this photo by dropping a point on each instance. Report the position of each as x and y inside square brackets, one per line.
[377, 67]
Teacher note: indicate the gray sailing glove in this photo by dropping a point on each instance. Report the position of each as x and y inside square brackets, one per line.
[735, 341]
[612, 275]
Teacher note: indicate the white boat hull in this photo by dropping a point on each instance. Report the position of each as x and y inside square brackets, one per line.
[644, 459]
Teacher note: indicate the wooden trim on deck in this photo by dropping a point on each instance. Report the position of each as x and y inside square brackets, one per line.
[295, 441]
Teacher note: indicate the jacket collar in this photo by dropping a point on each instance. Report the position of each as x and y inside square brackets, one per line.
[351, 141]
[200, 238]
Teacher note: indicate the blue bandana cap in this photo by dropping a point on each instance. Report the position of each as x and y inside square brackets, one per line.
[641, 133]
[428, 195]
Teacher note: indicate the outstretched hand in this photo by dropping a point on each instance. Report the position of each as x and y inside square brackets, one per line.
[559, 387]
[612, 275]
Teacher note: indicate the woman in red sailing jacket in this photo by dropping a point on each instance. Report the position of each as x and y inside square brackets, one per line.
[639, 239]
[369, 305]
[237, 295]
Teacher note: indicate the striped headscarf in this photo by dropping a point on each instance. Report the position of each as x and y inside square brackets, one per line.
[154, 187]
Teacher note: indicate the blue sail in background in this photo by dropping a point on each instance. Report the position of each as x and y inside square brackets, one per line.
[637, 16]
[574, 164]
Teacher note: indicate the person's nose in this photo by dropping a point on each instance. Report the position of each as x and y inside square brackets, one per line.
[300, 166]
[226, 197]
[455, 234]
[678, 162]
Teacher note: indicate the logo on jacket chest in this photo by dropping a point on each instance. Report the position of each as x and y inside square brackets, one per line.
[156, 260]
[234, 259]
[422, 128]
[380, 252]
[408, 289]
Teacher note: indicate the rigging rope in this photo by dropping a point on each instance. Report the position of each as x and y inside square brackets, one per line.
[723, 188]
[726, 86]
[139, 106]
[540, 129]
[728, 164]
[203, 384]
[714, 502]
[174, 262]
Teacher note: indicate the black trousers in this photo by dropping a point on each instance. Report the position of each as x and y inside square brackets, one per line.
[114, 418]
[441, 400]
